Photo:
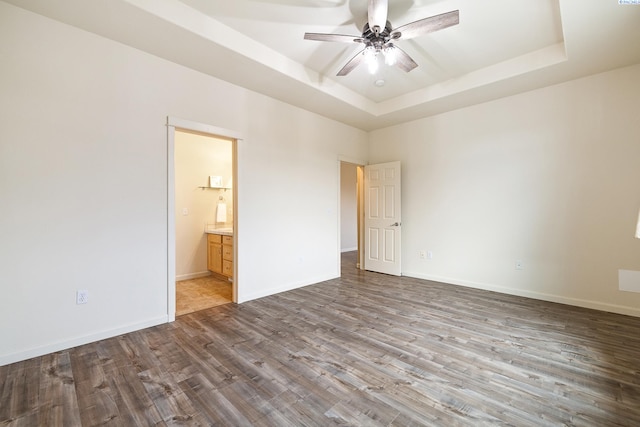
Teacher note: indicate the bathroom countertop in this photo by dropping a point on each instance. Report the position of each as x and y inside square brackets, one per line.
[226, 231]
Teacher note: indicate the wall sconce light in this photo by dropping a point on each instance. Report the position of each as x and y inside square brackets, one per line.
[638, 227]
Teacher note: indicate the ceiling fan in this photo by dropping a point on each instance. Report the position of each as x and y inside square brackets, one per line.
[378, 37]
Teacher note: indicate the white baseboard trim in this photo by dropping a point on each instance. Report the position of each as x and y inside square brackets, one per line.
[349, 249]
[190, 276]
[19, 356]
[596, 305]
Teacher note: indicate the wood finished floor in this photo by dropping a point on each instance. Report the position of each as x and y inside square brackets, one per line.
[363, 350]
[201, 293]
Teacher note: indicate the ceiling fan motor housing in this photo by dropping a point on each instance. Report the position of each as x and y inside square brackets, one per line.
[377, 39]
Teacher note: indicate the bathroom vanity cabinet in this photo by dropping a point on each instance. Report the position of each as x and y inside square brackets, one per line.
[220, 254]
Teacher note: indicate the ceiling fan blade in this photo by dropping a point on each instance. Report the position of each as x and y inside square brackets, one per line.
[332, 38]
[353, 63]
[378, 14]
[307, 3]
[403, 60]
[426, 25]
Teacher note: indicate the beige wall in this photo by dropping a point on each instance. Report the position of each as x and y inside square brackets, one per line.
[549, 177]
[83, 184]
[196, 158]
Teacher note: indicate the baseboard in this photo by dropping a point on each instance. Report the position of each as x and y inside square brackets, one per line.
[596, 305]
[75, 342]
[349, 249]
[190, 276]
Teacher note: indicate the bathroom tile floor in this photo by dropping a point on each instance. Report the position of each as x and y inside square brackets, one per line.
[199, 294]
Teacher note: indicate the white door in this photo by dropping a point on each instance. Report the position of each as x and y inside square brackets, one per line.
[382, 218]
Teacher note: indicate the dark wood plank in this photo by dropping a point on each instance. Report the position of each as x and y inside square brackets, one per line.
[365, 349]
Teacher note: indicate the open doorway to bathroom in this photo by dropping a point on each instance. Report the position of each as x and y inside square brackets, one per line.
[204, 219]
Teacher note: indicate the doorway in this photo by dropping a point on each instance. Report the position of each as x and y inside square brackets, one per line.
[208, 206]
[204, 209]
[351, 213]
[378, 213]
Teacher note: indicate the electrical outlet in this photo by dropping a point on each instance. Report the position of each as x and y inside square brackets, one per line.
[422, 254]
[82, 296]
[519, 265]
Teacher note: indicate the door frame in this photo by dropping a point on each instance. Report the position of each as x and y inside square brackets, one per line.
[173, 124]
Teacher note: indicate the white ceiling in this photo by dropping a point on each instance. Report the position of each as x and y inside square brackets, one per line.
[500, 47]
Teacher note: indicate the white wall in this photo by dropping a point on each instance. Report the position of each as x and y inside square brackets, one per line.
[83, 184]
[287, 200]
[196, 158]
[549, 177]
[348, 207]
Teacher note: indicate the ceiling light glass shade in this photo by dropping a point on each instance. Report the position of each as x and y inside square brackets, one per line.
[373, 67]
[371, 58]
[390, 56]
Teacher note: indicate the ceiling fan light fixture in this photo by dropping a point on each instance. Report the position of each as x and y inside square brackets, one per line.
[373, 66]
[371, 58]
[378, 34]
[390, 57]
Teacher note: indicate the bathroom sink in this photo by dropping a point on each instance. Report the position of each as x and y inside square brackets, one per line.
[211, 229]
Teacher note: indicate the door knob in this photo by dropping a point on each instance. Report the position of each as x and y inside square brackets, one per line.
[396, 224]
